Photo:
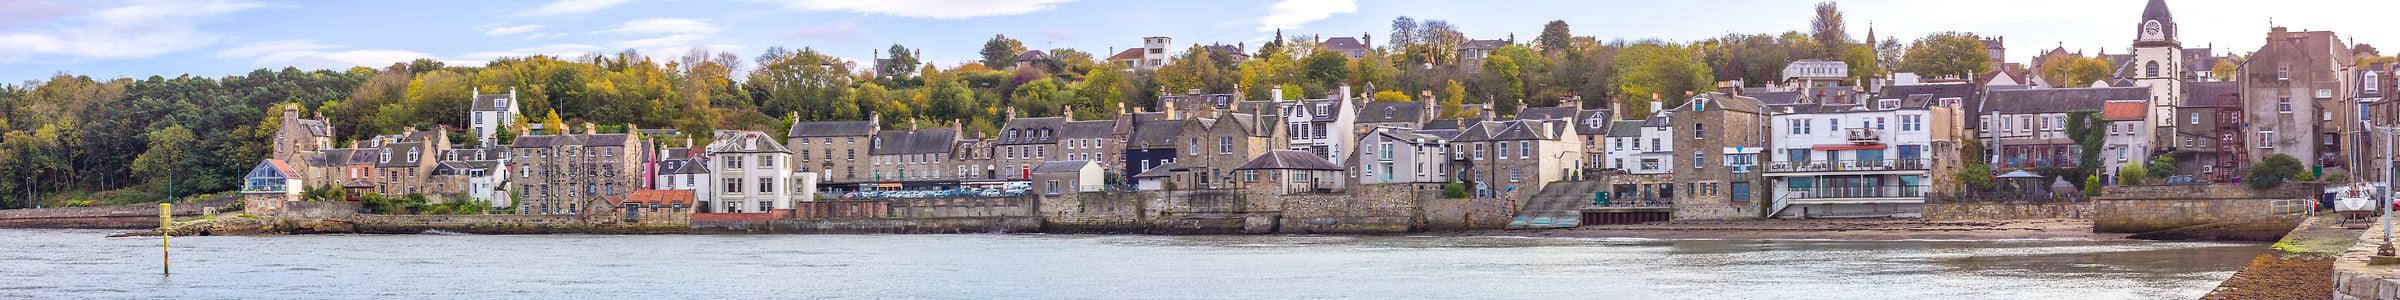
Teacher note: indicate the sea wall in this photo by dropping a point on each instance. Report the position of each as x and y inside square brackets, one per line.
[2008, 211]
[2140, 209]
[137, 216]
[1442, 214]
[595, 223]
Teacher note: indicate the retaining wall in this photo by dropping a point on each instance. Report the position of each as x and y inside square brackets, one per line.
[137, 216]
[2009, 211]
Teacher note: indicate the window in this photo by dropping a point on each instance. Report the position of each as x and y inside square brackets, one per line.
[1879, 123]
[2266, 139]
[2151, 69]
[733, 185]
[1833, 124]
[1794, 128]
[1224, 145]
[1250, 175]
[1698, 161]
[2328, 117]
[1699, 131]
[1620, 144]
[766, 161]
[1479, 151]
[733, 162]
[1503, 150]
[2283, 104]
[1654, 144]
[1650, 164]
[1741, 191]
[1524, 149]
[1515, 175]
[2195, 119]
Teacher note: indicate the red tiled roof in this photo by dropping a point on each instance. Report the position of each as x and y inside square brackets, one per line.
[1134, 53]
[2122, 111]
[286, 169]
[660, 197]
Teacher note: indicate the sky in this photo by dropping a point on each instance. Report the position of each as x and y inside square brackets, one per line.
[142, 38]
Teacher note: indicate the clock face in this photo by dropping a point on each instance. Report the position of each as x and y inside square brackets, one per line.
[2150, 29]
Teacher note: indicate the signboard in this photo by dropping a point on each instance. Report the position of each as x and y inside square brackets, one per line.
[166, 215]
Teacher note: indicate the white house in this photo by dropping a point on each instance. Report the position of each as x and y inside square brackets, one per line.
[490, 114]
[689, 174]
[1068, 177]
[1642, 146]
[752, 170]
[1864, 160]
[1320, 126]
[1400, 155]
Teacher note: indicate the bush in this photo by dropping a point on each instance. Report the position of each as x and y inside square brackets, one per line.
[2275, 170]
[2337, 178]
[2162, 166]
[2091, 185]
[2131, 175]
[1454, 190]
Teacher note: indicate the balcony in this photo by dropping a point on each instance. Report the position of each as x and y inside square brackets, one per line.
[1857, 192]
[1906, 164]
[1863, 135]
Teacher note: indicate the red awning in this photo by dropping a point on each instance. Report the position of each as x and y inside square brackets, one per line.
[1847, 147]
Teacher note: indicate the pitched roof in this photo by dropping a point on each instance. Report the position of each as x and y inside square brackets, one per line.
[1031, 55]
[1129, 53]
[489, 102]
[660, 197]
[1088, 129]
[1288, 160]
[1777, 97]
[1343, 43]
[1936, 91]
[2213, 94]
[2199, 59]
[1060, 166]
[2061, 100]
[1249, 124]
[691, 166]
[1602, 115]
[2123, 110]
[1390, 112]
[921, 141]
[1625, 128]
[316, 127]
[747, 142]
[280, 167]
[399, 156]
[1483, 44]
[364, 156]
[1546, 113]
[1019, 131]
[1157, 134]
[831, 128]
[1406, 135]
[1159, 171]
[329, 157]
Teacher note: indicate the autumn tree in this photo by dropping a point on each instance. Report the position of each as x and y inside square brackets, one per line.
[1505, 89]
[1828, 30]
[1654, 68]
[1453, 105]
[1947, 55]
[2070, 71]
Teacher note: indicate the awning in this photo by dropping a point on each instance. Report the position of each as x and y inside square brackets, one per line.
[1848, 147]
[888, 184]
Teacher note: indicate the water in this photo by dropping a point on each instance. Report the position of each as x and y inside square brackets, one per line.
[56, 264]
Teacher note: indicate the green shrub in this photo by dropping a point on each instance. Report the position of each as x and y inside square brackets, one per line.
[2275, 170]
[1454, 190]
[2091, 185]
[2131, 175]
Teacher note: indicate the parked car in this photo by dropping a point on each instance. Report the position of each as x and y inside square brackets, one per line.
[2182, 180]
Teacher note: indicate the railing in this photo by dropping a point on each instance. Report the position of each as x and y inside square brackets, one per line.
[1831, 192]
[1644, 202]
[2005, 197]
[1904, 164]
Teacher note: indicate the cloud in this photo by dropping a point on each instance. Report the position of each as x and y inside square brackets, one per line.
[537, 36]
[932, 9]
[35, 11]
[310, 54]
[1058, 34]
[846, 31]
[662, 42]
[1289, 14]
[136, 31]
[664, 25]
[503, 28]
[569, 7]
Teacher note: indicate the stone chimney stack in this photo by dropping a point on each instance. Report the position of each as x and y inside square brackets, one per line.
[1654, 104]
[874, 119]
[1066, 112]
[912, 124]
[1007, 114]
[1275, 94]
[1168, 106]
[588, 128]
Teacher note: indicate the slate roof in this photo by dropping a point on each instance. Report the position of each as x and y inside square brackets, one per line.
[1445, 134]
[1406, 135]
[2061, 100]
[1150, 135]
[2213, 94]
[1094, 129]
[1546, 113]
[2199, 59]
[2124, 110]
[588, 140]
[921, 141]
[1249, 123]
[364, 156]
[2157, 10]
[329, 157]
[659, 197]
[1031, 55]
[1625, 128]
[690, 166]
[831, 128]
[1159, 171]
[399, 154]
[1344, 44]
[1936, 91]
[1060, 166]
[1591, 114]
[316, 127]
[1021, 131]
[1288, 160]
[1777, 97]
[1391, 112]
[1129, 53]
[1483, 44]
[489, 102]
[743, 142]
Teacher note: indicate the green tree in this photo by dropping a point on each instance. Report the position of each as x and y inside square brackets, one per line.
[1947, 55]
[2161, 166]
[1973, 173]
[2132, 174]
[166, 157]
[1325, 69]
[1555, 37]
[1505, 88]
[2091, 185]
[1654, 68]
[2274, 171]
[903, 64]
[1000, 52]
[1453, 105]
[2089, 133]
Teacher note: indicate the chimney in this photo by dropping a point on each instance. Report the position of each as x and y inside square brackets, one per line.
[291, 111]
[1654, 104]
[1007, 114]
[1368, 39]
[1194, 91]
[1066, 112]
[1168, 106]
[874, 119]
[1484, 112]
[1345, 90]
[1275, 94]
[912, 124]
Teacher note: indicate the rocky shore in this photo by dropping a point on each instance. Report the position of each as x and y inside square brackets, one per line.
[2300, 267]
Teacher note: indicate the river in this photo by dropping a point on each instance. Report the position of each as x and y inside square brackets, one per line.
[67, 264]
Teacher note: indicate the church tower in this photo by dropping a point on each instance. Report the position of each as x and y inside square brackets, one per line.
[2158, 64]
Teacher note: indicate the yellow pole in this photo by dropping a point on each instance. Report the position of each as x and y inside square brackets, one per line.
[166, 222]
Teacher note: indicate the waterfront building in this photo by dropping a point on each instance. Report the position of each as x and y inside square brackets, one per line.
[1718, 134]
[1640, 158]
[1217, 141]
[2026, 129]
[2209, 136]
[567, 174]
[1400, 155]
[1099, 141]
[753, 171]
[2158, 62]
[915, 159]
[1512, 159]
[2128, 138]
[971, 157]
[406, 161]
[2293, 93]
[1291, 172]
[297, 137]
[269, 186]
[1319, 126]
[689, 174]
[2377, 109]
[475, 174]
[490, 114]
[1861, 160]
[1025, 143]
[1372, 115]
[835, 149]
[1152, 144]
[1068, 177]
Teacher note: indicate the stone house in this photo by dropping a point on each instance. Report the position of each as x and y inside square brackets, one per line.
[475, 174]
[1400, 155]
[753, 172]
[837, 149]
[1216, 143]
[689, 174]
[1372, 115]
[1289, 172]
[407, 168]
[1319, 126]
[269, 186]
[1512, 159]
[2209, 138]
[1025, 143]
[562, 174]
[297, 137]
[2027, 128]
[1152, 144]
[2293, 96]
[1099, 141]
[971, 157]
[913, 159]
[1721, 133]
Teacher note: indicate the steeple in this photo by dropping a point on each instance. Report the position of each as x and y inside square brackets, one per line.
[2157, 27]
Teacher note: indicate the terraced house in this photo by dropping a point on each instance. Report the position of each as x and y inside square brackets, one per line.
[407, 160]
[837, 149]
[914, 159]
[753, 173]
[566, 174]
[1025, 143]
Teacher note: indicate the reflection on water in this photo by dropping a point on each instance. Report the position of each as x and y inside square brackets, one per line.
[76, 264]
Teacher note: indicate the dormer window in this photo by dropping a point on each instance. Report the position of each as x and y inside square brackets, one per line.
[2371, 82]
[412, 155]
[387, 154]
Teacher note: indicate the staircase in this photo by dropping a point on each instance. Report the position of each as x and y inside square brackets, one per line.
[1558, 205]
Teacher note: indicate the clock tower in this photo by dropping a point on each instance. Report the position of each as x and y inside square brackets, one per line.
[2158, 63]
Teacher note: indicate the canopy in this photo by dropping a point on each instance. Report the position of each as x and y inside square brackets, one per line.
[2020, 174]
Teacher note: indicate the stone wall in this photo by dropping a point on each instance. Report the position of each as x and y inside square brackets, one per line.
[1442, 214]
[2138, 216]
[512, 224]
[137, 216]
[326, 209]
[1098, 212]
[2209, 191]
[1026, 206]
[884, 225]
[2009, 211]
[1367, 209]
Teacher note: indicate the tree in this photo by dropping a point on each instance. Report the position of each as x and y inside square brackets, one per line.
[1503, 84]
[1654, 68]
[2089, 133]
[2070, 71]
[1862, 63]
[2091, 185]
[2162, 166]
[1947, 55]
[1391, 96]
[2274, 171]
[1001, 51]
[1453, 106]
[553, 125]
[1555, 37]
[1973, 173]
[903, 64]
[2132, 174]
[2225, 69]
[165, 157]
[1828, 30]
[1325, 68]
